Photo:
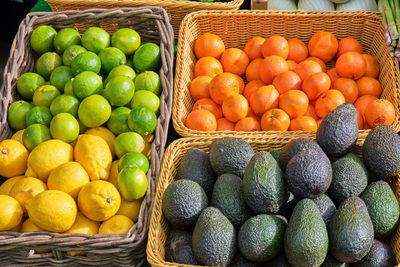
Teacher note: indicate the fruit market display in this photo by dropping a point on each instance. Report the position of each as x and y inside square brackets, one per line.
[288, 85]
[339, 5]
[391, 21]
[313, 203]
[85, 123]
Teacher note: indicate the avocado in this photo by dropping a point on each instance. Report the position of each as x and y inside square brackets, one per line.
[240, 261]
[349, 178]
[230, 155]
[293, 147]
[263, 186]
[383, 208]
[261, 237]
[338, 131]
[287, 208]
[351, 232]
[326, 207]
[275, 154]
[279, 261]
[178, 247]
[306, 237]
[182, 202]
[332, 262]
[308, 174]
[214, 238]
[228, 197]
[380, 255]
[381, 152]
[196, 166]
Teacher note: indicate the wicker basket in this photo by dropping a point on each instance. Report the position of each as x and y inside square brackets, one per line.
[177, 10]
[159, 226]
[152, 23]
[237, 27]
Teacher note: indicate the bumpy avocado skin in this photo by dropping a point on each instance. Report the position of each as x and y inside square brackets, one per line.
[326, 207]
[292, 148]
[178, 247]
[380, 255]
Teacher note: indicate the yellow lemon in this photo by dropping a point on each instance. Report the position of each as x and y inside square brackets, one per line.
[106, 134]
[99, 200]
[18, 136]
[46, 157]
[114, 173]
[148, 139]
[29, 226]
[16, 229]
[13, 156]
[5, 187]
[27, 188]
[130, 209]
[52, 210]
[10, 213]
[117, 225]
[93, 153]
[69, 177]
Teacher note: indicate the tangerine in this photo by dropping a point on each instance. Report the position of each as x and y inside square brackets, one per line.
[319, 61]
[298, 50]
[208, 104]
[351, 65]
[372, 66]
[225, 125]
[291, 64]
[294, 103]
[251, 87]
[235, 61]
[222, 86]
[263, 99]
[349, 44]
[207, 66]
[323, 45]
[199, 87]
[286, 81]
[248, 124]
[369, 86]
[328, 101]
[316, 84]
[348, 87]
[311, 112]
[303, 123]
[362, 103]
[253, 47]
[253, 70]
[333, 75]
[275, 45]
[209, 44]
[379, 112]
[201, 120]
[235, 107]
[275, 120]
[307, 68]
[271, 67]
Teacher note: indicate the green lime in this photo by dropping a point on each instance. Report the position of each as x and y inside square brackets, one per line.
[65, 38]
[147, 99]
[65, 104]
[86, 61]
[34, 135]
[28, 83]
[94, 110]
[147, 57]
[129, 63]
[38, 115]
[16, 114]
[150, 81]
[46, 63]
[128, 142]
[111, 57]
[64, 127]
[118, 122]
[71, 52]
[142, 120]
[95, 39]
[60, 76]
[119, 90]
[68, 88]
[44, 95]
[42, 39]
[132, 183]
[134, 159]
[86, 83]
[122, 70]
[127, 40]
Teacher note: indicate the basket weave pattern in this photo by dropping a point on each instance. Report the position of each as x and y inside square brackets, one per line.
[152, 23]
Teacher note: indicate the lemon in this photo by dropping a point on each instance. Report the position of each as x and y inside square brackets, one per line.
[13, 156]
[99, 200]
[10, 213]
[27, 188]
[83, 225]
[93, 153]
[5, 187]
[46, 157]
[69, 177]
[18, 136]
[113, 173]
[29, 226]
[116, 225]
[130, 209]
[106, 134]
[17, 228]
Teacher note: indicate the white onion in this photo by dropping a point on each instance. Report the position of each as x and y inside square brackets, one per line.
[354, 5]
[282, 5]
[316, 5]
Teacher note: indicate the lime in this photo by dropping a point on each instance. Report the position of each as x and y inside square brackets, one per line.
[68, 88]
[71, 52]
[38, 115]
[150, 81]
[16, 114]
[94, 111]
[86, 61]
[134, 159]
[128, 142]
[95, 39]
[34, 135]
[60, 76]
[28, 83]
[64, 127]
[42, 39]
[111, 57]
[142, 120]
[86, 83]
[132, 183]
[127, 40]
[119, 90]
[129, 62]
[122, 70]
[118, 122]
[46, 63]
[147, 99]
[147, 57]
[65, 104]
[44, 95]
[65, 38]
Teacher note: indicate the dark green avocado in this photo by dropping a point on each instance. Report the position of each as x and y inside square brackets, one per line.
[178, 247]
[326, 207]
[380, 255]
[293, 147]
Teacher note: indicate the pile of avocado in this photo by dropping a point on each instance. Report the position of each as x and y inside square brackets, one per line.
[312, 203]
